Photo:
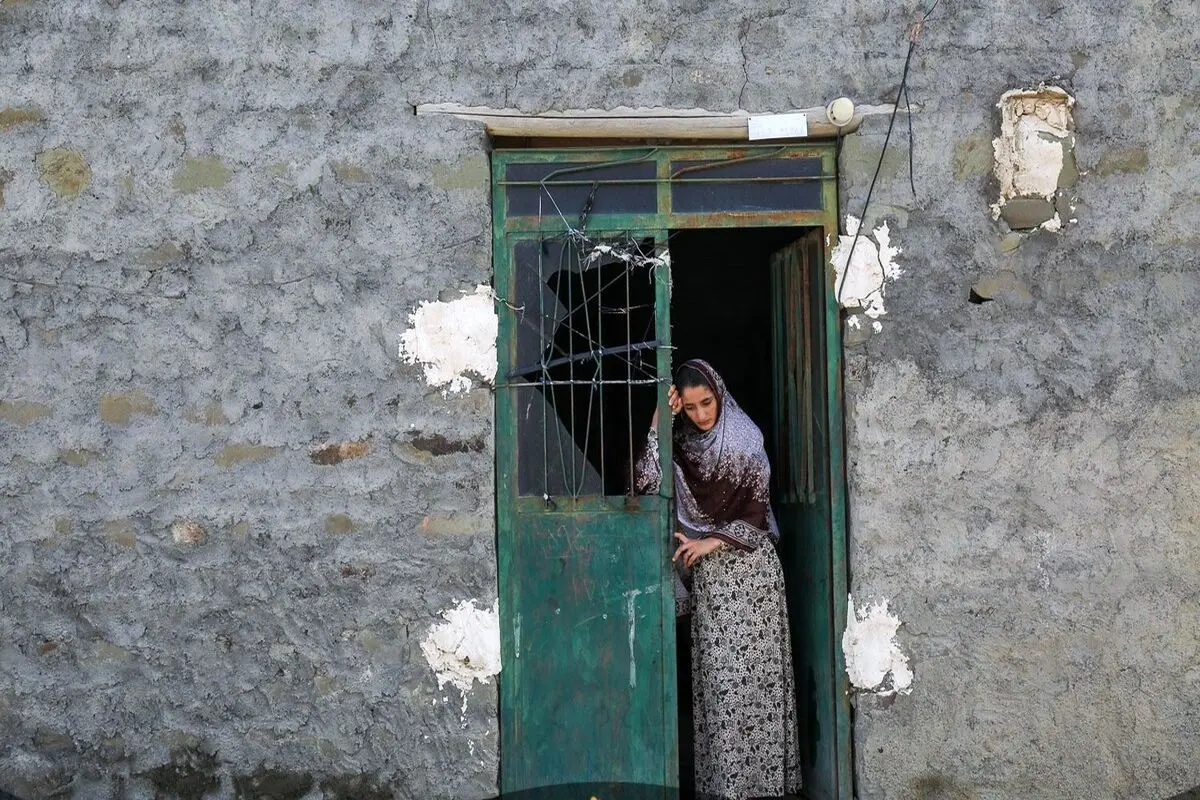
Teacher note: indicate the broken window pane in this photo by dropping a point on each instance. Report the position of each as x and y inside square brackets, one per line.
[584, 372]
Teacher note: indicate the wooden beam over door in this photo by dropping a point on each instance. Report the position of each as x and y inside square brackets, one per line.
[627, 123]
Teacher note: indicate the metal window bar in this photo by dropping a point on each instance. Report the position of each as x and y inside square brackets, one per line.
[561, 178]
[647, 156]
[545, 369]
[565, 255]
[621, 351]
[562, 455]
[577, 365]
[629, 386]
[798, 410]
[598, 387]
[589, 343]
[565, 325]
[574, 309]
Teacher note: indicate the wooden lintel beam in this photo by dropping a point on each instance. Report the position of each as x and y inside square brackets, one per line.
[625, 123]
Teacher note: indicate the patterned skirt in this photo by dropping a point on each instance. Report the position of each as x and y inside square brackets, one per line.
[743, 692]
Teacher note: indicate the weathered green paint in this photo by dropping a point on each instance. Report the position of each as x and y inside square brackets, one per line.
[832, 401]
[586, 605]
[662, 323]
[665, 217]
[805, 509]
[634, 222]
[587, 689]
[586, 608]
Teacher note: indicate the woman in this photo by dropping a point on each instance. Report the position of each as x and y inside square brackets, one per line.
[742, 687]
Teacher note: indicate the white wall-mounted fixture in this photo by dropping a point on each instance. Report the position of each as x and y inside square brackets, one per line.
[840, 112]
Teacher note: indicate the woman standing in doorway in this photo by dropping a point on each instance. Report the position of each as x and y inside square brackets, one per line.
[742, 687]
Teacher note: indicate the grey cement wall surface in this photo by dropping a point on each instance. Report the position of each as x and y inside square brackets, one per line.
[216, 218]
[224, 296]
[1024, 473]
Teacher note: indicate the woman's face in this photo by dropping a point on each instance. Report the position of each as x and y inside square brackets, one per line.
[700, 404]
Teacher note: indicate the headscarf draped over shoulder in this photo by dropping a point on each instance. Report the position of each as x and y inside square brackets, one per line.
[722, 475]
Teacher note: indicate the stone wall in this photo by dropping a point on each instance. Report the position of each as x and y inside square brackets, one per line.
[1022, 439]
[232, 513]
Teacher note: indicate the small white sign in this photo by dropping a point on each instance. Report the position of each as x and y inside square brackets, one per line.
[778, 126]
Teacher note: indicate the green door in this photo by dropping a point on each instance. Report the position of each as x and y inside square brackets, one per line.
[809, 503]
[587, 692]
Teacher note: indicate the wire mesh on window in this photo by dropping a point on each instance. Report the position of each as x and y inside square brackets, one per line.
[585, 376]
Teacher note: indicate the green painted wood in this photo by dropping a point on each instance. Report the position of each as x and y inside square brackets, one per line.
[724, 219]
[665, 217]
[670, 707]
[587, 690]
[585, 669]
[805, 514]
[577, 580]
[834, 410]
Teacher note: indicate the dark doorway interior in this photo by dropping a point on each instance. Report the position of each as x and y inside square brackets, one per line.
[721, 311]
[721, 308]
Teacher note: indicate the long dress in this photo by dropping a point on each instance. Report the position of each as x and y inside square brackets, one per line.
[743, 694]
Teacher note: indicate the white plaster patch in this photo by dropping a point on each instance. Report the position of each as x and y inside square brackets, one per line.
[453, 340]
[1035, 132]
[871, 652]
[309, 175]
[466, 647]
[862, 284]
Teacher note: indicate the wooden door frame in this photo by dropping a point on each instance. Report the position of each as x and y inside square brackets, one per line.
[664, 219]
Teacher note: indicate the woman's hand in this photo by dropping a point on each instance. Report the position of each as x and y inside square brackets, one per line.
[674, 402]
[692, 550]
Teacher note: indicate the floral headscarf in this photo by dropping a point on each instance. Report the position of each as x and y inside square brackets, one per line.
[722, 475]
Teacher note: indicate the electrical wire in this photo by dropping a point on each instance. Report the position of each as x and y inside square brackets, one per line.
[914, 36]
